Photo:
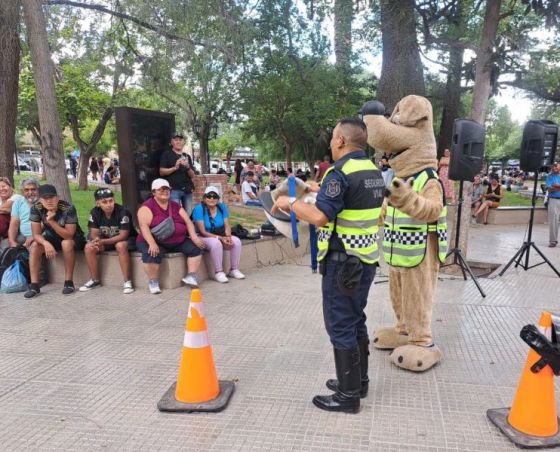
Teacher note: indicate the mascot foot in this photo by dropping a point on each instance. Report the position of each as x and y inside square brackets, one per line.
[416, 358]
[387, 338]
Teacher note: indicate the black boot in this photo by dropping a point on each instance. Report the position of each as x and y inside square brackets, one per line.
[363, 345]
[346, 399]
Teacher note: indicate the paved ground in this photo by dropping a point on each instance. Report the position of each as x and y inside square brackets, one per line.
[85, 372]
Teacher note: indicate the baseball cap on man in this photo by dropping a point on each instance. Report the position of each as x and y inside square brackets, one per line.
[47, 191]
[177, 134]
[102, 193]
[212, 189]
[158, 183]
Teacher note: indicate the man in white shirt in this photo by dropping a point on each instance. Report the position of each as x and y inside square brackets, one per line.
[249, 191]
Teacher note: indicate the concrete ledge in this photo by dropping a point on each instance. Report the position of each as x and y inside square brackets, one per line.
[516, 215]
[255, 253]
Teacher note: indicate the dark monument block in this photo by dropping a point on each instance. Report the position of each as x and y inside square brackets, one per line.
[142, 136]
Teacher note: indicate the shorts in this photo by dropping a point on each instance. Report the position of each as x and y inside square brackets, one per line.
[56, 241]
[494, 204]
[130, 241]
[188, 248]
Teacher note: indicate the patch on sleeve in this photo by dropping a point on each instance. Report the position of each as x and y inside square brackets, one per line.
[332, 190]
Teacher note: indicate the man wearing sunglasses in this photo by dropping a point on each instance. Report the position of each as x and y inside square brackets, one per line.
[110, 228]
[19, 232]
[177, 168]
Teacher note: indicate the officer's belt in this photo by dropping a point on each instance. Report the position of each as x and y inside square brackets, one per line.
[337, 256]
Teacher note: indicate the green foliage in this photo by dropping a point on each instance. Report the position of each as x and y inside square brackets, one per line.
[503, 135]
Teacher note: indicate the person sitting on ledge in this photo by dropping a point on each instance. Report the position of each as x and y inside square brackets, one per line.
[180, 236]
[212, 221]
[55, 227]
[491, 198]
[249, 190]
[110, 228]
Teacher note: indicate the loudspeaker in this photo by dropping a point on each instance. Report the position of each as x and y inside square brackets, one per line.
[467, 150]
[538, 145]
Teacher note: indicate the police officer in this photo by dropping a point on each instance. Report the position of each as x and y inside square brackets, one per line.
[346, 212]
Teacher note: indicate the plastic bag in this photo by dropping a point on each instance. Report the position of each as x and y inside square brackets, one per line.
[13, 279]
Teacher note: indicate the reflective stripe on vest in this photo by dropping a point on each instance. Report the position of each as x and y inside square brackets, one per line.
[356, 225]
[405, 239]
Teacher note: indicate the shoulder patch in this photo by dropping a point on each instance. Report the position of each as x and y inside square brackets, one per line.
[332, 190]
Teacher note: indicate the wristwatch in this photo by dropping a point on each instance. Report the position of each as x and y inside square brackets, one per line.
[291, 201]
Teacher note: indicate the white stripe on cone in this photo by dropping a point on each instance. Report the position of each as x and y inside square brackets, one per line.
[197, 339]
[198, 308]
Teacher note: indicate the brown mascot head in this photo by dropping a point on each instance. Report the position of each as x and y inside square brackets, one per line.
[408, 134]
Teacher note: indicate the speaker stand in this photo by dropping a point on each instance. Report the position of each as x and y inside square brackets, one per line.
[528, 244]
[458, 258]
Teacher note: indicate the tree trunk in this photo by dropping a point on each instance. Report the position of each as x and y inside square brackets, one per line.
[289, 149]
[343, 17]
[87, 150]
[401, 71]
[483, 75]
[481, 94]
[9, 71]
[43, 73]
[452, 97]
[83, 168]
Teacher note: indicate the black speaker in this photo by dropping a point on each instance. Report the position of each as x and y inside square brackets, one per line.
[538, 145]
[467, 150]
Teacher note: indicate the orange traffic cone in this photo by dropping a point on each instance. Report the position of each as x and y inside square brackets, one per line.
[532, 422]
[197, 387]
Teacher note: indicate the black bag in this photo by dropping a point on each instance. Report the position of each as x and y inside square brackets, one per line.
[269, 229]
[239, 231]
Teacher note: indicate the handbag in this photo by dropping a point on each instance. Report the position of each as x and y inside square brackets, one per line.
[165, 229]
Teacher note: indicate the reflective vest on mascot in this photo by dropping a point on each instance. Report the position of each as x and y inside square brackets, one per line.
[357, 224]
[405, 239]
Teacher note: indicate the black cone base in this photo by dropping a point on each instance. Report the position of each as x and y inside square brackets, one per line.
[499, 416]
[169, 404]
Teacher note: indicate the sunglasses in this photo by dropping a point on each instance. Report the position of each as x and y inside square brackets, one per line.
[211, 196]
[104, 192]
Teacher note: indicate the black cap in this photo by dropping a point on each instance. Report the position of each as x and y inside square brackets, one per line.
[101, 193]
[177, 134]
[47, 191]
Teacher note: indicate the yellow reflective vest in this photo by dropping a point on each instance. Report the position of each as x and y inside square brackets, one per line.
[356, 226]
[405, 239]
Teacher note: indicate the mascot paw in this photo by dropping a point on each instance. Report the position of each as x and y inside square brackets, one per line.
[399, 190]
[387, 338]
[416, 358]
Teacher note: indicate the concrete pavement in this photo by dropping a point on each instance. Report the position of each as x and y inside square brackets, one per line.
[85, 372]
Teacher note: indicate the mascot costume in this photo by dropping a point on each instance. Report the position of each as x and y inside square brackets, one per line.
[415, 229]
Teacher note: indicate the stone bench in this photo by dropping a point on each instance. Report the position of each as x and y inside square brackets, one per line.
[516, 215]
[255, 253]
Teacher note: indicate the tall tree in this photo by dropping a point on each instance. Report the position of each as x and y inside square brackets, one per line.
[51, 134]
[401, 72]
[484, 67]
[9, 69]
[343, 18]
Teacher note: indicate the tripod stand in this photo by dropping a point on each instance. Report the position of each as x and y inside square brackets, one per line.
[458, 258]
[526, 247]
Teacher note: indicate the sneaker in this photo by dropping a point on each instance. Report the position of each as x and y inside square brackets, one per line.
[32, 291]
[191, 281]
[236, 274]
[91, 284]
[221, 277]
[127, 287]
[68, 288]
[552, 244]
[154, 287]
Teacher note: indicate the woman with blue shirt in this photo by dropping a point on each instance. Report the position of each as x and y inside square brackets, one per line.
[211, 218]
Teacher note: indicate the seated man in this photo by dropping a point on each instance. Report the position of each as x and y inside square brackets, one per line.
[110, 227]
[19, 232]
[249, 190]
[55, 227]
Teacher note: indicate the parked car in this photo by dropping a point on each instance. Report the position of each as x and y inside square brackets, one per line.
[23, 165]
